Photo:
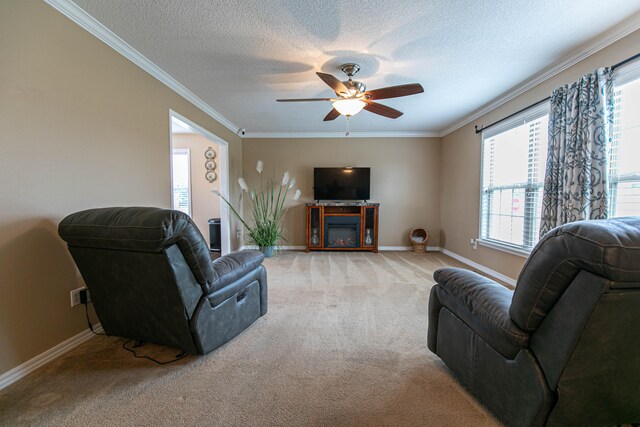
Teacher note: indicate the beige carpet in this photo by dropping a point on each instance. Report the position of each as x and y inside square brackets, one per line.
[343, 344]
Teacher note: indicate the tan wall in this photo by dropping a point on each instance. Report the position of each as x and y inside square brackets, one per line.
[80, 127]
[460, 163]
[404, 178]
[204, 204]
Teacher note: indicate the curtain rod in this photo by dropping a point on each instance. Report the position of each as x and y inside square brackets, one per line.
[613, 67]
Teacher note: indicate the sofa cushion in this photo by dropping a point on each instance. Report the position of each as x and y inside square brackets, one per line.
[233, 266]
[483, 305]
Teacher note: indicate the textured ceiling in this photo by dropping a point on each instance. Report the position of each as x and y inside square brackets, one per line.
[239, 56]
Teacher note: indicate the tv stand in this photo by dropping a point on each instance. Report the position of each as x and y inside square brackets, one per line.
[342, 226]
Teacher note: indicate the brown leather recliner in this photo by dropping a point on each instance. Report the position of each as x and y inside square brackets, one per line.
[564, 347]
[151, 278]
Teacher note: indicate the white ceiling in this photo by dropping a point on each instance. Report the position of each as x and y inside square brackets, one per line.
[240, 55]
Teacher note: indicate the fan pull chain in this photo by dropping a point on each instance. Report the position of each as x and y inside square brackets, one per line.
[347, 133]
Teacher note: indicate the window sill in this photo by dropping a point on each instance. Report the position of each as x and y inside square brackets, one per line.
[504, 248]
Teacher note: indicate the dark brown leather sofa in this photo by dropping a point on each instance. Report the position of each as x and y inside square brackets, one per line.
[562, 349]
[151, 278]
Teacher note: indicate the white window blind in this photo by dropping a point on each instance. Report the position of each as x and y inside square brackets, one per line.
[514, 155]
[624, 177]
[514, 159]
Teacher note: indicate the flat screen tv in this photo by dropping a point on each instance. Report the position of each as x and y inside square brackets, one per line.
[341, 183]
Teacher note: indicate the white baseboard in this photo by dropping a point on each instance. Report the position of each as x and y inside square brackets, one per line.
[406, 248]
[380, 248]
[42, 359]
[281, 248]
[506, 279]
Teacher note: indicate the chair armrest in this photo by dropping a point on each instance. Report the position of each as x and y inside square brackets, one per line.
[483, 305]
[229, 268]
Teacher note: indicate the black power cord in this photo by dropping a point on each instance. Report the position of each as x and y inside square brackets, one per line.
[86, 312]
[84, 299]
[139, 343]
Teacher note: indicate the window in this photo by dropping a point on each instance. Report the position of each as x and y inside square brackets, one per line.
[514, 156]
[513, 165]
[181, 178]
[624, 176]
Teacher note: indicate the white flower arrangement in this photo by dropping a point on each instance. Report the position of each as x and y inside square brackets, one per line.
[267, 207]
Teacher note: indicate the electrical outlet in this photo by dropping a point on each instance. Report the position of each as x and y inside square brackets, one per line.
[239, 234]
[474, 243]
[85, 297]
[75, 296]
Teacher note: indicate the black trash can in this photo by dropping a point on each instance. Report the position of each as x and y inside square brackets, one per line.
[214, 235]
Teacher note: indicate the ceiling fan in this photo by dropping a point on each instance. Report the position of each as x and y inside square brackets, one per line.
[353, 96]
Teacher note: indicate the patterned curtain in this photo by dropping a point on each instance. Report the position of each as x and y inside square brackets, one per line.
[580, 130]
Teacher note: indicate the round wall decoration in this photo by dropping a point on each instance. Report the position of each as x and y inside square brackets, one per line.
[210, 165]
[210, 154]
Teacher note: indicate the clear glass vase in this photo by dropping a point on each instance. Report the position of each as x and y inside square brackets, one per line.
[368, 237]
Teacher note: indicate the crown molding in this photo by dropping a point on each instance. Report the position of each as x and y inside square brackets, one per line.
[89, 23]
[607, 38]
[302, 135]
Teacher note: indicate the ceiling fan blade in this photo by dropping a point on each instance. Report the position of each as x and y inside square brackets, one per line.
[333, 114]
[303, 99]
[382, 110]
[335, 84]
[395, 91]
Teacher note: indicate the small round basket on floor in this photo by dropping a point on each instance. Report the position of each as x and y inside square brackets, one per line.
[419, 238]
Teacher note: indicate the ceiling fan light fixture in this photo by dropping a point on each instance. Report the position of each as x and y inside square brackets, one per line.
[349, 107]
[352, 96]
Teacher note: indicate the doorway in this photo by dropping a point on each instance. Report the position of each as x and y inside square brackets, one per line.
[200, 165]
